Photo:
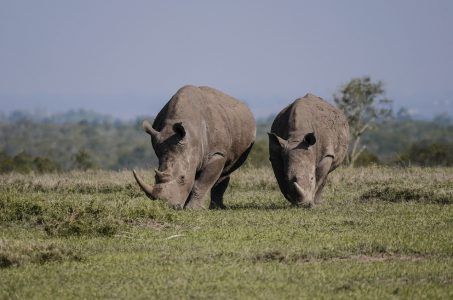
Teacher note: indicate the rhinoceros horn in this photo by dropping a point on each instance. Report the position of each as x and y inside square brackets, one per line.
[150, 130]
[299, 190]
[159, 174]
[145, 187]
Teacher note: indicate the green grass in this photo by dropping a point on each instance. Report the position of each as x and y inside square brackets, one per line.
[380, 233]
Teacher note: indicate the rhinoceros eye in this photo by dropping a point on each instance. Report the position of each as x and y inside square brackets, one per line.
[182, 179]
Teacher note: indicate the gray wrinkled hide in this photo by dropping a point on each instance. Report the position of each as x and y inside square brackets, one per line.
[200, 137]
[308, 140]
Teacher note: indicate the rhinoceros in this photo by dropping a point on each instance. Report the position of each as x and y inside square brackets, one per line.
[308, 140]
[200, 137]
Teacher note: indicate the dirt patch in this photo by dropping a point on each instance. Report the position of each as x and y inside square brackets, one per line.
[270, 256]
[385, 257]
[404, 194]
[277, 256]
[148, 223]
[14, 254]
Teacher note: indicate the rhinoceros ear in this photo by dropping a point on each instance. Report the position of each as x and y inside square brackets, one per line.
[310, 139]
[179, 130]
[276, 141]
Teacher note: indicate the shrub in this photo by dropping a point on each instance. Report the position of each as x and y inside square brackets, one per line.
[366, 158]
[83, 161]
[429, 154]
[25, 163]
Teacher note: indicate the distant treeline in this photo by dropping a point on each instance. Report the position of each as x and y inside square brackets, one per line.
[97, 142]
[84, 140]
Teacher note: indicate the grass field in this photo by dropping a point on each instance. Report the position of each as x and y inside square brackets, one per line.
[380, 233]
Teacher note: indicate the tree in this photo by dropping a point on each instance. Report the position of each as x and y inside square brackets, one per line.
[443, 119]
[6, 163]
[403, 114]
[367, 158]
[425, 153]
[82, 160]
[23, 162]
[44, 165]
[364, 104]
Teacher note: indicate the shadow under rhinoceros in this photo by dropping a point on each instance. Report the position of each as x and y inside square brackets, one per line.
[259, 206]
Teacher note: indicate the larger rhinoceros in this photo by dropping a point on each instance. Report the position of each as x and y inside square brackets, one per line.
[200, 137]
[308, 140]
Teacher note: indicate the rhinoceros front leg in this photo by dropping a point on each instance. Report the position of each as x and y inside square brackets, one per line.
[205, 181]
[217, 192]
[321, 176]
[277, 167]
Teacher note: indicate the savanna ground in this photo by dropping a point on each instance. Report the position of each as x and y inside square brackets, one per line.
[380, 233]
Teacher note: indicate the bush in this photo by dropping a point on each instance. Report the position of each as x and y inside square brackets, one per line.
[83, 161]
[6, 163]
[25, 163]
[366, 158]
[429, 154]
[45, 165]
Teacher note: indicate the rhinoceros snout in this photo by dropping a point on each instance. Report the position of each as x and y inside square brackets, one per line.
[177, 206]
[301, 197]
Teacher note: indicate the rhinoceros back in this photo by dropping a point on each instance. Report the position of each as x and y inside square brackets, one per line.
[229, 124]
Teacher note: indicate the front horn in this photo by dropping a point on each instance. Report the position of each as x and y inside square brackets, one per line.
[145, 187]
[299, 190]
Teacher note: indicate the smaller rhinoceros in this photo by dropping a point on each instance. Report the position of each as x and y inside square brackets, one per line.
[200, 137]
[308, 140]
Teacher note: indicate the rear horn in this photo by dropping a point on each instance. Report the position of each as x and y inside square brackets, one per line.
[150, 130]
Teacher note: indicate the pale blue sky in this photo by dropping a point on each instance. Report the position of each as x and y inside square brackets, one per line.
[128, 57]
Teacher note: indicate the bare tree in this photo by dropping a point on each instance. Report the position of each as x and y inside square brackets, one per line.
[364, 104]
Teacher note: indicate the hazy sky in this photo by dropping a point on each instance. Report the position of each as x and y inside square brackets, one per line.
[128, 57]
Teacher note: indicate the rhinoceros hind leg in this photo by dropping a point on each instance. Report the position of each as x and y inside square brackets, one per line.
[204, 182]
[217, 192]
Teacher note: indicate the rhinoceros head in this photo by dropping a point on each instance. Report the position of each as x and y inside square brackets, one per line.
[294, 165]
[178, 159]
